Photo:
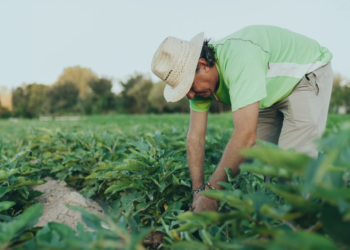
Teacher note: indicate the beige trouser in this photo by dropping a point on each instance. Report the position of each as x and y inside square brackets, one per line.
[296, 121]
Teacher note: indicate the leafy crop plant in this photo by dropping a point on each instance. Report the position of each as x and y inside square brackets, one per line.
[138, 171]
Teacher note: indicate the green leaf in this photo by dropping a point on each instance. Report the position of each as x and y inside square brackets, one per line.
[91, 220]
[233, 199]
[129, 199]
[279, 214]
[176, 181]
[24, 221]
[259, 199]
[5, 174]
[23, 182]
[130, 167]
[319, 169]
[4, 205]
[189, 245]
[4, 190]
[227, 186]
[334, 224]
[228, 171]
[332, 195]
[293, 198]
[272, 171]
[302, 241]
[210, 218]
[47, 131]
[116, 185]
[270, 154]
[23, 191]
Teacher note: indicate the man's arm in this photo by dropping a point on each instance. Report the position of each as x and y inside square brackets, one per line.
[195, 147]
[245, 122]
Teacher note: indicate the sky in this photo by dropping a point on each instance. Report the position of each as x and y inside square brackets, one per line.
[115, 39]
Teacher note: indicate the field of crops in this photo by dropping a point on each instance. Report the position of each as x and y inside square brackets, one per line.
[136, 168]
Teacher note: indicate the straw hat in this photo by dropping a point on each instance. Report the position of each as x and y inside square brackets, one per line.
[175, 62]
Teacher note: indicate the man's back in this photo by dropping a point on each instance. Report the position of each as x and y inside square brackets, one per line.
[262, 63]
[282, 45]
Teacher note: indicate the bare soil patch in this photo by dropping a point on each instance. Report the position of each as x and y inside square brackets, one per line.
[56, 195]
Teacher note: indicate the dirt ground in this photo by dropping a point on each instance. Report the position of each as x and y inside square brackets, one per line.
[56, 195]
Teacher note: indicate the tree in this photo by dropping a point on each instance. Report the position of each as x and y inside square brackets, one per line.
[4, 112]
[19, 101]
[139, 94]
[156, 97]
[62, 97]
[135, 93]
[6, 98]
[36, 99]
[28, 100]
[78, 76]
[159, 104]
[128, 101]
[340, 95]
[101, 99]
[101, 86]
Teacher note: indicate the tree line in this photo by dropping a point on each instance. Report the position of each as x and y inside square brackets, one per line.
[80, 91]
[340, 99]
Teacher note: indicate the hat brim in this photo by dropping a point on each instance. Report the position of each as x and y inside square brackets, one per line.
[175, 94]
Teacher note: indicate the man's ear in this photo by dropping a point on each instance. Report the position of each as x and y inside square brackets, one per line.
[202, 63]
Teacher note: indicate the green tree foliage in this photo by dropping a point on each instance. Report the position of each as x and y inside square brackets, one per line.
[159, 104]
[139, 93]
[62, 97]
[19, 102]
[79, 90]
[129, 93]
[101, 86]
[101, 99]
[156, 98]
[36, 99]
[80, 77]
[135, 93]
[28, 100]
[340, 95]
[4, 112]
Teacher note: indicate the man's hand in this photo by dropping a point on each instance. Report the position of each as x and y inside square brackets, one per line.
[245, 122]
[202, 203]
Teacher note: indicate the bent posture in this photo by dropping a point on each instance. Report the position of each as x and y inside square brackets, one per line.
[277, 82]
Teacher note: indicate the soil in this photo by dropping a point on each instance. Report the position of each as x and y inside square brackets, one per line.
[56, 195]
[153, 240]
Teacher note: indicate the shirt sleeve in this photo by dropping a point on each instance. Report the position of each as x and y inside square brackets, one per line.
[245, 69]
[200, 104]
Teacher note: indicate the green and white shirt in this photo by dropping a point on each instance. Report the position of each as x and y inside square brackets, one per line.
[262, 63]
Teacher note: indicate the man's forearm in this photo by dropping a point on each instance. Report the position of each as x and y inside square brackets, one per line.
[195, 158]
[231, 158]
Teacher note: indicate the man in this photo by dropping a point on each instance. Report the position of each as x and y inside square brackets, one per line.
[277, 82]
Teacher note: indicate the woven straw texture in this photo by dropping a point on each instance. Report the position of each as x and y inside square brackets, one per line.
[175, 62]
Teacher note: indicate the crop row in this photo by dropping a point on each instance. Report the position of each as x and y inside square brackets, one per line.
[141, 176]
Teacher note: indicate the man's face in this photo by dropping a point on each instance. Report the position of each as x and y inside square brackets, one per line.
[204, 82]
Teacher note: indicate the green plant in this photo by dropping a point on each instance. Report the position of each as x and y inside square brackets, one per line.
[139, 170]
[305, 206]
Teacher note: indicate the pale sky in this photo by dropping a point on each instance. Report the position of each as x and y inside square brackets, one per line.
[39, 38]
